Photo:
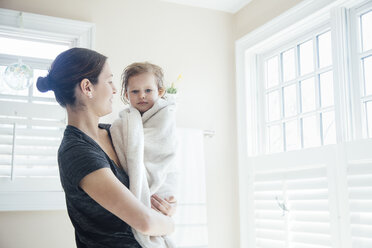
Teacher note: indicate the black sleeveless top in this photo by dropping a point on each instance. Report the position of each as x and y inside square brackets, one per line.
[95, 227]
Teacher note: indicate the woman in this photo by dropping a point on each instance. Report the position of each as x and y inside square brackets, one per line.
[99, 203]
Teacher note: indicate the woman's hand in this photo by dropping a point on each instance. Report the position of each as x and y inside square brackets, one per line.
[166, 206]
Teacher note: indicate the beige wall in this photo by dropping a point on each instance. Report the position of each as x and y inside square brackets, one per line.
[257, 13]
[195, 42]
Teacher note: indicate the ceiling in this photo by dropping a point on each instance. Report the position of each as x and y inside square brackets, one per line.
[231, 6]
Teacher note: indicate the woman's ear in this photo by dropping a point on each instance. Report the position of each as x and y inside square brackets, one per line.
[161, 92]
[86, 87]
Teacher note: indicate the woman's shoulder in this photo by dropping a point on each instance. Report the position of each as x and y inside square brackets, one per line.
[76, 141]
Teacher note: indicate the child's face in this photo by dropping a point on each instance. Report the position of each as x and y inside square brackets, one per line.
[142, 91]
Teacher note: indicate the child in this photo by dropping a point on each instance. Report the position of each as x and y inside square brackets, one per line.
[144, 139]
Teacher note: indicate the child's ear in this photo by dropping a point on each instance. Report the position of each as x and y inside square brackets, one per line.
[126, 96]
[161, 92]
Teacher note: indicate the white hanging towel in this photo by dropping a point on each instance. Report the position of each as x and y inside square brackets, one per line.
[146, 148]
[191, 214]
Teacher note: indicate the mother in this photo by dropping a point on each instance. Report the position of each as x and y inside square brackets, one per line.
[99, 203]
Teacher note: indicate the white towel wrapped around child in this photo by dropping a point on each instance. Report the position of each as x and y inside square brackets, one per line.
[146, 147]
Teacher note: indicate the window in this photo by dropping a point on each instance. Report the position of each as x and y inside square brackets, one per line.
[361, 46]
[304, 103]
[299, 94]
[32, 123]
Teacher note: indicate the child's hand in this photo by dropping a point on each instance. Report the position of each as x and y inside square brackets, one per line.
[166, 206]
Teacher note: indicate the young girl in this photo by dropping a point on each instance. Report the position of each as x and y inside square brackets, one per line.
[144, 139]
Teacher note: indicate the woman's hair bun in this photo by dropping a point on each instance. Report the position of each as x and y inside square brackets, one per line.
[43, 84]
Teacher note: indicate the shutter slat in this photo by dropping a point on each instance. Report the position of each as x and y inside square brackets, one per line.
[361, 231]
[292, 174]
[21, 109]
[360, 193]
[271, 234]
[363, 219]
[311, 184]
[311, 216]
[270, 224]
[261, 214]
[31, 172]
[361, 206]
[36, 123]
[30, 132]
[312, 227]
[362, 243]
[264, 243]
[30, 185]
[8, 141]
[307, 238]
[360, 169]
[311, 206]
[308, 195]
[30, 151]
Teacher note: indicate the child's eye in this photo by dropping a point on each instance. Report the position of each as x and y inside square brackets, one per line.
[148, 90]
[134, 91]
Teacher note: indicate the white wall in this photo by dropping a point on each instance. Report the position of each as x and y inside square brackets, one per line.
[257, 13]
[195, 42]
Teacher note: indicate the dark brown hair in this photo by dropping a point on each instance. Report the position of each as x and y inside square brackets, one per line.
[68, 70]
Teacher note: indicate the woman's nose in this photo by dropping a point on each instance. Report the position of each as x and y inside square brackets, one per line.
[113, 89]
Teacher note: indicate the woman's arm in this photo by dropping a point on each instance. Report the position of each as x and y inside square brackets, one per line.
[102, 186]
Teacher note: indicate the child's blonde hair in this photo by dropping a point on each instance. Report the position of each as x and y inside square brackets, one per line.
[139, 68]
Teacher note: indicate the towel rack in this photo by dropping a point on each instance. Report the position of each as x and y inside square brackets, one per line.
[209, 133]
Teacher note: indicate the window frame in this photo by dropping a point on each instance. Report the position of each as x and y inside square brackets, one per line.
[31, 194]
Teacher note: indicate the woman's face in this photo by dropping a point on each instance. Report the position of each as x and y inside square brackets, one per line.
[103, 92]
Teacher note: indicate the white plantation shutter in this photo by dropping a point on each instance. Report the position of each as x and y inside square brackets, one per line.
[315, 198]
[292, 208]
[30, 134]
[359, 182]
[294, 203]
